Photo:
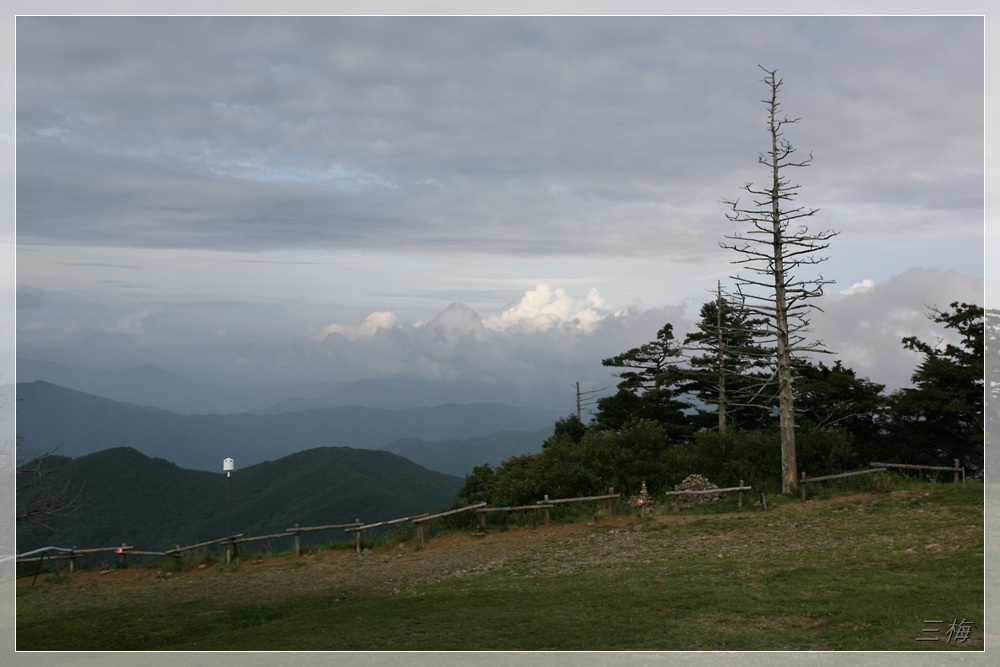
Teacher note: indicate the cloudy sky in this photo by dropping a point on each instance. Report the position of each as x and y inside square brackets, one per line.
[513, 199]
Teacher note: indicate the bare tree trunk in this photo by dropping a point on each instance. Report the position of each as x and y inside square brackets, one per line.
[774, 250]
[783, 366]
[721, 355]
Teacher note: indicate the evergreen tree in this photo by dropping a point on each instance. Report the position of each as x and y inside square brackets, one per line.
[729, 372]
[992, 407]
[834, 397]
[648, 389]
[942, 415]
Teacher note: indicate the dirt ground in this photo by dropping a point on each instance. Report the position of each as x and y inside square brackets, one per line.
[554, 549]
[385, 568]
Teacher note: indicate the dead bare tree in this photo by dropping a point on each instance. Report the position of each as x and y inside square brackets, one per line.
[45, 493]
[772, 250]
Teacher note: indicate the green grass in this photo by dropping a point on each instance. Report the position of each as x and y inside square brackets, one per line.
[841, 573]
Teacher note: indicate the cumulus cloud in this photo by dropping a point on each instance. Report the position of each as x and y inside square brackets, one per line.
[371, 325]
[530, 140]
[544, 308]
[548, 336]
[859, 288]
[864, 327]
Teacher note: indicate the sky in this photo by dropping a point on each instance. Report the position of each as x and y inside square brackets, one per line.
[510, 199]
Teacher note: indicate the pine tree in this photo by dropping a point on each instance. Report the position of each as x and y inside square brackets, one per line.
[649, 387]
[728, 372]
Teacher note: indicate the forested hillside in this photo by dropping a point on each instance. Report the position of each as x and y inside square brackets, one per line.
[153, 504]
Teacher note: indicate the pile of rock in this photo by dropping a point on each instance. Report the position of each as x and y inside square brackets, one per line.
[643, 500]
[698, 483]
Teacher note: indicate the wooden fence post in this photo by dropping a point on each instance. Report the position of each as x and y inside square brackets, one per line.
[178, 555]
[420, 532]
[295, 542]
[121, 556]
[611, 504]
[357, 536]
[482, 522]
[548, 512]
[957, 461]
[741, 493]
[802, 484]
[677, 502]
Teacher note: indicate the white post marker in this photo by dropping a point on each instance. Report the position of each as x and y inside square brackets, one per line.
[227, 467]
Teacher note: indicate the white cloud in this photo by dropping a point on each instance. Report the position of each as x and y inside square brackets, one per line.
[371, 325]
[864, 327]
[544, 308]
[859, 288]
[547, 338]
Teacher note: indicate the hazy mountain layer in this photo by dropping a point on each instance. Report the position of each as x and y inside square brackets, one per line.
[152, 386]
[459, 457]
[72, 423]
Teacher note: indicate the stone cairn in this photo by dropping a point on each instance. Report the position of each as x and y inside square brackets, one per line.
[643, 500]
[698, 483]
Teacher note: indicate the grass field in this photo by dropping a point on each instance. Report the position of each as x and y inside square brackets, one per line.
[844, 571]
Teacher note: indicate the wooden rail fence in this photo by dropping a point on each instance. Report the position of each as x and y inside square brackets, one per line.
[803, 480]
[482, 512]
[881, 467]
[294, 532]
[956, 468]
[611, 498]
[419, 523]
[677, 494]
[357, 528]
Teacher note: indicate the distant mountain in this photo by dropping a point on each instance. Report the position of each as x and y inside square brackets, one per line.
[152, 386]
[459, 457]
[72, 423]
[402, 393]
[155, 387]
[152, 504]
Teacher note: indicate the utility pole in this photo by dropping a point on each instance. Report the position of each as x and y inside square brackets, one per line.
[583, 399]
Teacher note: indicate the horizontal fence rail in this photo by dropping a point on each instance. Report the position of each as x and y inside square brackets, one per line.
[481, 508]
[956, 468]
[448, 513]
[276, 536]
[358, 528]
[419, 523]
[482, 512]
[803, 480]
[295, 530]
[702, 492]
[824, 478]
[520, 508]
[179, 549]
[611, 498]
[558, 501]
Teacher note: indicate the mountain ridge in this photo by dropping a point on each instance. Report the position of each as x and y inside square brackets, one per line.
[148, 384]
[51, 418]
[153, 504]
